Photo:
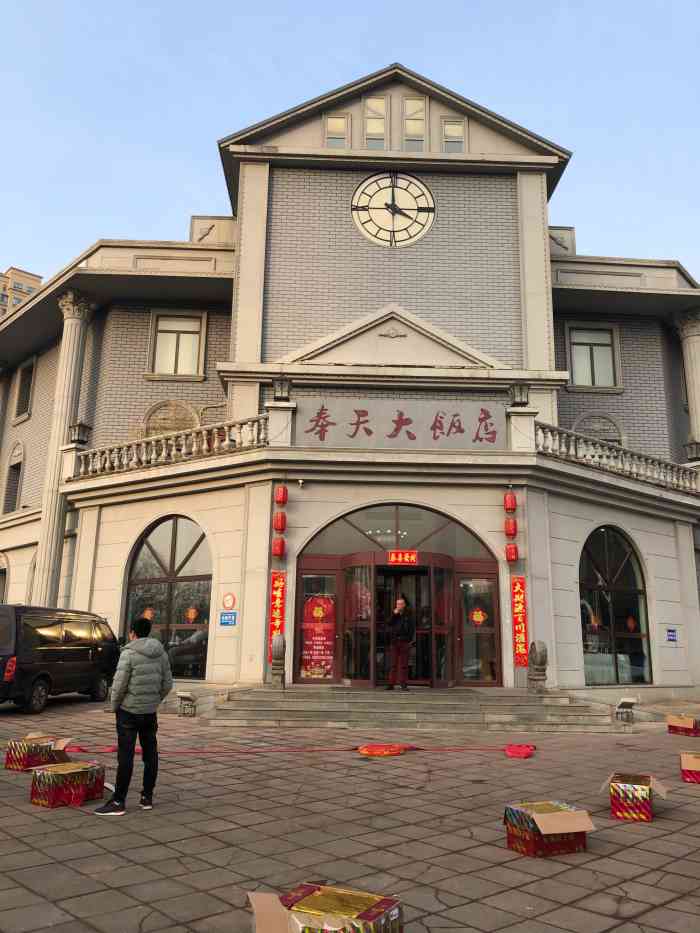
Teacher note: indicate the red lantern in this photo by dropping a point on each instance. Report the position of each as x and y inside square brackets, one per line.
[281, 495]
[279, 521]
[510, 502]
[511, 553]
[278, 547]
[510, 527]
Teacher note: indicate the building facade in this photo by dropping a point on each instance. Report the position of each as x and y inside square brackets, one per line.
[16, 286]
[383, 373]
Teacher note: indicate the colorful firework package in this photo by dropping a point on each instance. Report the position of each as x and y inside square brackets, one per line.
[33, 750]
[310, 908]
[632, 796]
[683, 725]
[546, 827]
[67, 784]
[690, 767]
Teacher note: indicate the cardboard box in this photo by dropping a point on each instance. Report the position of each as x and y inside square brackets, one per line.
[546, 827]
[690, 767]
[315, 907]
[683, 725]
[33, 750]
[67, 784]
[632, 795]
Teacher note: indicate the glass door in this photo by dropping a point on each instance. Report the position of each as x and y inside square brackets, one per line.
[415, 587]
[357, 630]
[479, 631]
[443, 627]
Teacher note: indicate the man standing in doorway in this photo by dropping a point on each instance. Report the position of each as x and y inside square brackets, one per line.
[401, 633]
[142, 681]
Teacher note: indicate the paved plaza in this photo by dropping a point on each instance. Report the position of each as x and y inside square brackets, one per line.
[243, 811]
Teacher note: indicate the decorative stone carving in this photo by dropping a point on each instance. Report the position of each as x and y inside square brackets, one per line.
[278, 655]
[74, 305]
[392, 333]
[537, 667]
[168, 416]
[688, 323]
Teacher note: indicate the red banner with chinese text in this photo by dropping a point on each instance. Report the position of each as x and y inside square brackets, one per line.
[520, 634]
[318, 638]
[278, 602]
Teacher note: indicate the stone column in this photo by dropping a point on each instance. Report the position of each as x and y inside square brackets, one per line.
[688, 325]
[76, 311]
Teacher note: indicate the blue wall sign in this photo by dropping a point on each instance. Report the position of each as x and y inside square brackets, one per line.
[672, 634]
[228, 618]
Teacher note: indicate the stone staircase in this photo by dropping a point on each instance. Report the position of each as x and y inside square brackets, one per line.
[492, 709]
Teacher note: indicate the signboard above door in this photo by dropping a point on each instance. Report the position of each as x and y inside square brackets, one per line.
[411, 424]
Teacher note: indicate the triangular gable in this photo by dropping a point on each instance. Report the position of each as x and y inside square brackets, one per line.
[392, 336]
[253, 134]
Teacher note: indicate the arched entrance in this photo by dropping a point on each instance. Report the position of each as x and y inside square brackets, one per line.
[349, 576]
[170, 583]
[614, 624]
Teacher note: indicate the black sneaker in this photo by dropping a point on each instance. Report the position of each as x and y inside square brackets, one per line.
[111, 808]
[146, 802]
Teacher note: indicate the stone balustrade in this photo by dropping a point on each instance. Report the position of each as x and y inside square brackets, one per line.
[612, 458]
[205, 441]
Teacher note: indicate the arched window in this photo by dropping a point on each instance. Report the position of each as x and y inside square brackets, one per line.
[602, 426]
[613, 611]
[170, 583]
[13, 479]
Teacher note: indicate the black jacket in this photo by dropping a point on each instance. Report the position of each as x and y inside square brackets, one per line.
[402, 626]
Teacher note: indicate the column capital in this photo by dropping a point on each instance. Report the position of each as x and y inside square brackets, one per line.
[75, 306]
[687, 323]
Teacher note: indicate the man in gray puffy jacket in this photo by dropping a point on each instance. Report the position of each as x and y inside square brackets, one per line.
[141, 682]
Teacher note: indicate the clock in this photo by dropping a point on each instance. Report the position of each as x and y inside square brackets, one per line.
[393, 209]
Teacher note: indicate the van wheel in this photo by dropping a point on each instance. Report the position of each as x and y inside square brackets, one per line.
[100, 690]
[38, 696]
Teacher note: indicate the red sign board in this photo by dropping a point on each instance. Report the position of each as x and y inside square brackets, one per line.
[318, 637]
[278, 602]
[402, 557]
[520, 636]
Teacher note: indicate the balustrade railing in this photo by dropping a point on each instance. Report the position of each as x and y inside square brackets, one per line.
[205, 441]
[613, 458]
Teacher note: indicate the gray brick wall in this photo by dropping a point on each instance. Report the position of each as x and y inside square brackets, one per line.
[649, 410]
[115, 396]
[321, 274]
[33, 433]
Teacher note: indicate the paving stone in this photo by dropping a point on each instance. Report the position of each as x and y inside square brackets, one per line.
[140, 919]
[212, 878]
[673, 921]
[17, 897]
[480, 916]
[56, 881]
[150, 891]
[518, 902]
[234, 921]
[102, 902]
[130, 874]
[71, 926]
[556, 890]
[430, 900]
[192, 907]
[33, 917]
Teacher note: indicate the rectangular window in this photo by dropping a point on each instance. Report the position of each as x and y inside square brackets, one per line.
[592, 358]
[375, 122]
[178, 349]
[25, 382]
[414, 124]
[453, 135]
[338, 132]
[12, 487]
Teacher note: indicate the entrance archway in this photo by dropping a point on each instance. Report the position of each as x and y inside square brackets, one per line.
[170, 583]
[349, 576]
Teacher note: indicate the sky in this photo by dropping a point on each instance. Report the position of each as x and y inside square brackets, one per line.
[112, 112]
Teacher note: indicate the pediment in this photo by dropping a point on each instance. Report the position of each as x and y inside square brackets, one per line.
[392, 336]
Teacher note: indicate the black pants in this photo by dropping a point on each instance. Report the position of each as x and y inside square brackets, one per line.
[129, 725]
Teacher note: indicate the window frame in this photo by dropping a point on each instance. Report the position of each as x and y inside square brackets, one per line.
[614, 329]
[387, 122]
[426, 124]
[16, 459]
[463, 121]
[19, 417]
[344, 115]
[200, 375]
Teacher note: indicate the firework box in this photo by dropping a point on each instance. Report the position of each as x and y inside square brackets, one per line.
[546, 827]
[690, 767]
[683, 725]
[632, 795]
[67, 784]
[35, 749]
[314, 907]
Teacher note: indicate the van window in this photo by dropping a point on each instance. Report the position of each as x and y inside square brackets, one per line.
[103, 632]
[7, 631]
[77, 631]
[46, 632]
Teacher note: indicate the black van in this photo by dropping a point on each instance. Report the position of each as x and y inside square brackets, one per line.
[49, 651]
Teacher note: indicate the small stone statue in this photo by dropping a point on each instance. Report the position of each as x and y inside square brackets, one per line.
[537, 667]
[278, 654]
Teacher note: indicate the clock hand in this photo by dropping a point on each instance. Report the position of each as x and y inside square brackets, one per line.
[395, 209]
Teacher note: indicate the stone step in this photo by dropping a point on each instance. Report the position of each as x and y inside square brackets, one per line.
[422, 726]
[406, 716]
[388, 707]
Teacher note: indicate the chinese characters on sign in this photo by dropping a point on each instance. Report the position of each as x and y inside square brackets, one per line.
[519, 604]
[318, 637]
[403, 557]
[278, 602]
[413, 424]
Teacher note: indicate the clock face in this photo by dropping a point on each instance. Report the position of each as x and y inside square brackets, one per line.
[393, 209]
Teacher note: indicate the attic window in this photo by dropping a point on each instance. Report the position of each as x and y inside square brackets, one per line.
[375, 122]
[414, 124]
[338, 131]
[453, 135]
